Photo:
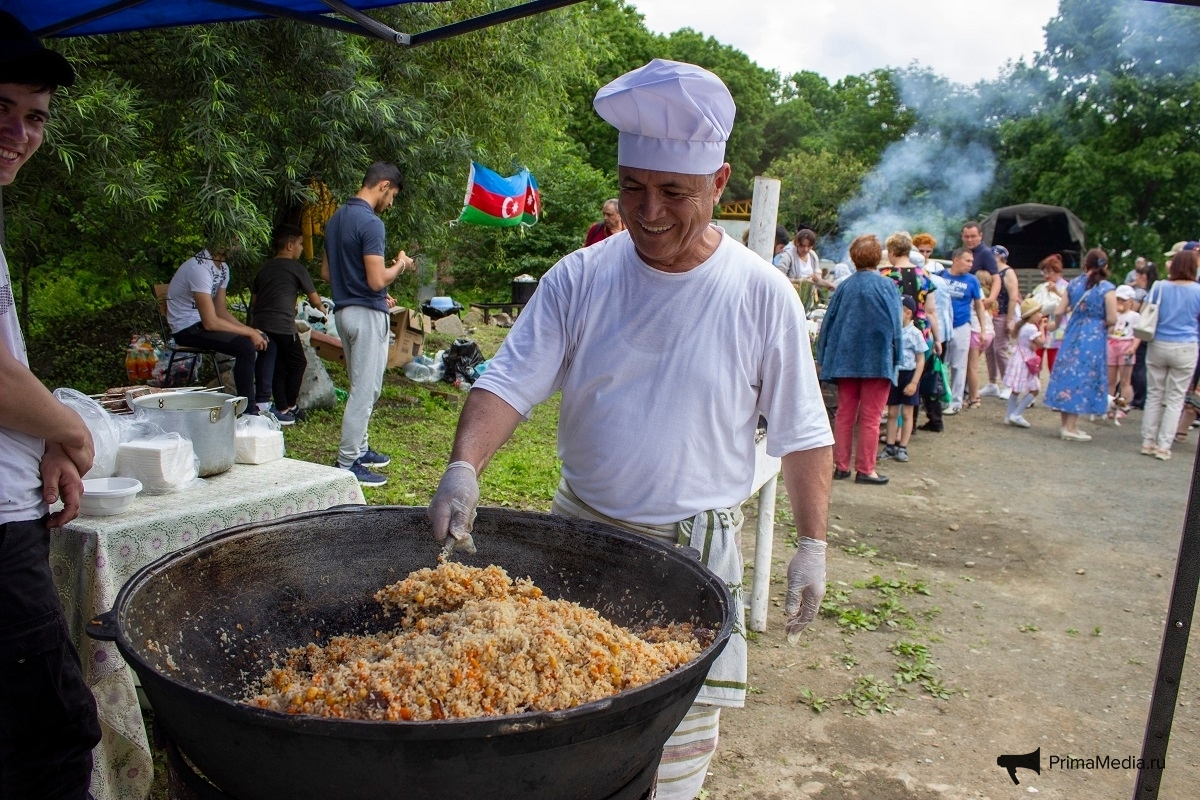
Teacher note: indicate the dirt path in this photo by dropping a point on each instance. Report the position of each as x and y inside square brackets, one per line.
[1048, 567]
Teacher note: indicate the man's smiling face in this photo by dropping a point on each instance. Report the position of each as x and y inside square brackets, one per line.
[24, 111]
[667, 214]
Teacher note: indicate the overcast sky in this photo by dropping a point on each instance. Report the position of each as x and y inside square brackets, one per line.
[963, 40]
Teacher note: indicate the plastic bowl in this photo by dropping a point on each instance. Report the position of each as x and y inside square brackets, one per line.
[105, 497]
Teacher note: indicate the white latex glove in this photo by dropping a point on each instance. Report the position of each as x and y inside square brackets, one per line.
[452, 510]
[805, 586]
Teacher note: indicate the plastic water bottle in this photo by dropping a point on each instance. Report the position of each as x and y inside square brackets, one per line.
[416, 371]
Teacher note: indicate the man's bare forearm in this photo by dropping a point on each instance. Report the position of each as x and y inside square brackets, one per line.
[27, 406]
[808, 477]
[485, 424]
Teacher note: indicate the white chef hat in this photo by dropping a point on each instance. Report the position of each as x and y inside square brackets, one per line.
[672, 117]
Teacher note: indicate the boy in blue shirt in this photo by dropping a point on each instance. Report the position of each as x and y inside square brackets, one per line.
[964, 290]
[904, 395]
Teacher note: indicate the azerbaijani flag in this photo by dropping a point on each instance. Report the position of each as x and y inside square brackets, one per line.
[500, 202]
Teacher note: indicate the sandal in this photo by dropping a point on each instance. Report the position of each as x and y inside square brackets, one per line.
[976, 403]
[1181, 437]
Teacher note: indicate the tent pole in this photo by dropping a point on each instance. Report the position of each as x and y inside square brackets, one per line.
[372, 25]
[1174, 649]
[90, 16]
[487, 20]
[297, 16]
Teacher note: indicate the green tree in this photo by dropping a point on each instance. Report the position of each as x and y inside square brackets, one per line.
[814, 186]
[1117, 136]
[177, 138]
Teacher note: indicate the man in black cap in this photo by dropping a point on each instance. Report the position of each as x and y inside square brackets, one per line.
[48, 721]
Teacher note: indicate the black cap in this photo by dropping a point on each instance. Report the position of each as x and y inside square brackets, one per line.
[23, 59]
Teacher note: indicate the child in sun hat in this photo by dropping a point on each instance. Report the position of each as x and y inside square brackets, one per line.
[1023, 375]
[1122, 352]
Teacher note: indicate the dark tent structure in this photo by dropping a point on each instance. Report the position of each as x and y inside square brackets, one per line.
[85, 17]
[1032, 231]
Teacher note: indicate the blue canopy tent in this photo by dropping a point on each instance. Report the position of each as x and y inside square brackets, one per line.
[86, 17]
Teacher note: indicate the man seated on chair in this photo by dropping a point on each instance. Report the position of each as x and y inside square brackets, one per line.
[198, 317]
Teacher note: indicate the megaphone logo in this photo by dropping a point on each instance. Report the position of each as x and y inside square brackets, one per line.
[1031, 761]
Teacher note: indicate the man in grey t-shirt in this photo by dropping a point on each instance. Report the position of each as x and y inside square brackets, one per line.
[353, 264]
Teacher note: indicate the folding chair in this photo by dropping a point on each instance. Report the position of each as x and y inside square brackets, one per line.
[178, 351]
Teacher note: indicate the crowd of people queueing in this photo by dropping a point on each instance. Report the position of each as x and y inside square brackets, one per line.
[901, 322]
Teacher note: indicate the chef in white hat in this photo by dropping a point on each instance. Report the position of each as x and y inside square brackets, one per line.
[668, 341]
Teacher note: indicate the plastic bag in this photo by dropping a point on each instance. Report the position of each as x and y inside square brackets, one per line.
[258, 439]
[105, 434]
[185, 369]
[424, 369]
[141, 356]
[460, 361]
[941, 385]
[163, 463]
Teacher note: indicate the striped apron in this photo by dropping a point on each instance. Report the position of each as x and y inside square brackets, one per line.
[716, 534]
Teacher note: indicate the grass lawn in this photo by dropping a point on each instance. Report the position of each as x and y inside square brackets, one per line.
[414, 423]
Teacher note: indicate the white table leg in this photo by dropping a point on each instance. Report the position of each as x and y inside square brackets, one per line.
[761, 588]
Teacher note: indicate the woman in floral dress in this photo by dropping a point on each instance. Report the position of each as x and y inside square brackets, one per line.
[1079, 381]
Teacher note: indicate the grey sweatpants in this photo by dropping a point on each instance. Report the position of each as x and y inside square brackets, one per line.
[364, 333]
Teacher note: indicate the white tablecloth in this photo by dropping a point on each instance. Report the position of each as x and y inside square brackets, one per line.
[93, 557]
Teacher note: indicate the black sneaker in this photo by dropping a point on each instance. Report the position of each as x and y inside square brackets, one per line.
[933, 427]
[365, 476]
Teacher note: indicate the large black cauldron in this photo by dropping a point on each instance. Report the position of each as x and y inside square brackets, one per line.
[198, 624]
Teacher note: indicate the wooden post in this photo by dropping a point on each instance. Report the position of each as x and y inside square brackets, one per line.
[764, 215]
[760, 590]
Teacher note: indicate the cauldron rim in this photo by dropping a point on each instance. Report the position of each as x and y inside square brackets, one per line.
[492, 725]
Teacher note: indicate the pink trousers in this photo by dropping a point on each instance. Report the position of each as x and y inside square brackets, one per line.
[860, 405]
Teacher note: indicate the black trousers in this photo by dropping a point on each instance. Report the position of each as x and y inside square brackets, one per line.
[1138, 377]
[289, 364]
[48, 720]
[251, 374]
[933, 406]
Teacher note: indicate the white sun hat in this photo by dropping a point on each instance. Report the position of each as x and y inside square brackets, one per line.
[672, 117]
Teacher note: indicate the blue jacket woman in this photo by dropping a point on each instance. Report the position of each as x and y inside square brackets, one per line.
[859, 348]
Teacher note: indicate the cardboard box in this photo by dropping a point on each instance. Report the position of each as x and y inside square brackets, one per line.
[327, 347]
[408, 326]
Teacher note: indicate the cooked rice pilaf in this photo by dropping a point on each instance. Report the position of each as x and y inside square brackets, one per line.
[472, 642]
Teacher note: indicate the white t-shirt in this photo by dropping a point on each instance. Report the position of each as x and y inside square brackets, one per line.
[663, 376]
[1124, 327]
[198, 274]
[20, 453]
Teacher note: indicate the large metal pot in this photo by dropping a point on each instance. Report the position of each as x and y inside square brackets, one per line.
[205, 418]
[196, 625]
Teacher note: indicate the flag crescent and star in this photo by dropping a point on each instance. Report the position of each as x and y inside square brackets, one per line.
[500, 202]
